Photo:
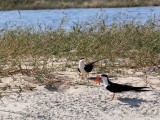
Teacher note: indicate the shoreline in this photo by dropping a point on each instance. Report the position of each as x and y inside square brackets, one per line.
[76, 8]
[42, 4]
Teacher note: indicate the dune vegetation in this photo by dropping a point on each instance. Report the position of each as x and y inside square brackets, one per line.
[60, 4]
[140, 44]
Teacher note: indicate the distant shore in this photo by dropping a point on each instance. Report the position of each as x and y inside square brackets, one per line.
[62, 4]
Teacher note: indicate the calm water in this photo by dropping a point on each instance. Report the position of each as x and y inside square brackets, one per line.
[27, 18]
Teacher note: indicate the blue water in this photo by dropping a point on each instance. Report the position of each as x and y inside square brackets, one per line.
[53, 17]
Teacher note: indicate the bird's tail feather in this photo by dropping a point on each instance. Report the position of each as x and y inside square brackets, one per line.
[140, 89]
[97, 60]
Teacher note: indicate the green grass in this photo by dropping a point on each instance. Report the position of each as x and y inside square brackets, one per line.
[139, 43]
[60, 4]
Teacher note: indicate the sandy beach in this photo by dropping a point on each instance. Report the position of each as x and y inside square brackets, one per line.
[78, 99]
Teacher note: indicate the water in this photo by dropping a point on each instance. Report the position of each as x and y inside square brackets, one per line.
[53, 18]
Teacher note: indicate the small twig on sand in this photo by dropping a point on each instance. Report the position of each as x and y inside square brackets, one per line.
[147, 82]
[19, 91]
[155, 64]
[1, 98]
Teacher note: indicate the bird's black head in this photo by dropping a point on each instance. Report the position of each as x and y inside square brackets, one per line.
[104, 75]
[82, 58]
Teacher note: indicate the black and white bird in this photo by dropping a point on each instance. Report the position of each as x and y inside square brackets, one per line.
[84, 68]
[118, 88]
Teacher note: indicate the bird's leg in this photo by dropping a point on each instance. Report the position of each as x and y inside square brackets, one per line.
[99, 83]
[113, 96]
[88, 81]
[87, 75]
[82, 76]
[79, 74]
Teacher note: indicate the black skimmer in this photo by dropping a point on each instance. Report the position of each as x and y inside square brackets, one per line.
[118, 88]
[84, 68]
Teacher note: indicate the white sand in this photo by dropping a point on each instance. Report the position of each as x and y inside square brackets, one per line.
[84, 102]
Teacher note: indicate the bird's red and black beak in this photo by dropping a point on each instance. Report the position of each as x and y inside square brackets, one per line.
[98, 80]
[95, 79]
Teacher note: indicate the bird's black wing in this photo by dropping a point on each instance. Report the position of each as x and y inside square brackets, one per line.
[88, 67]
[114, 87]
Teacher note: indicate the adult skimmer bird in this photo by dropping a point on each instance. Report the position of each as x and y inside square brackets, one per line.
[118, 88]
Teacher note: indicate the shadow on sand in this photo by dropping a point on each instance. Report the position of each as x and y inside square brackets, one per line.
[21, 114]
[132, 102]
[51, 88]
